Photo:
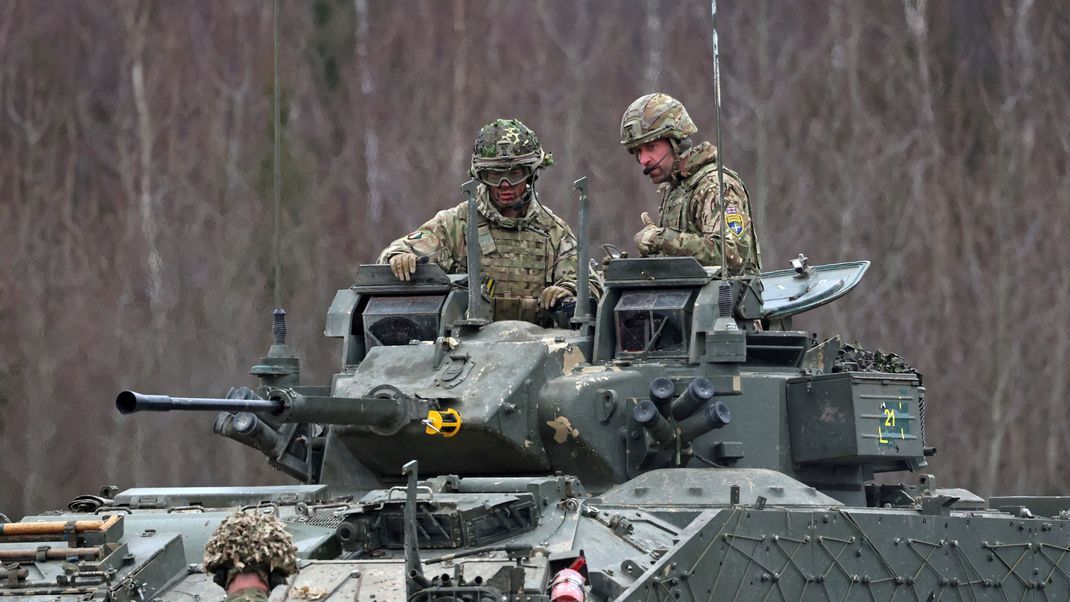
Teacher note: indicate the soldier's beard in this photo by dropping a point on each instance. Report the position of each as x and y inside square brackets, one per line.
[658, 171]
[660, 175]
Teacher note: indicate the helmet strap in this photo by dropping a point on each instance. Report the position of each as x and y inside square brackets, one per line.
[525, 199]
[675, 169]
[679, 147]
[529, 193]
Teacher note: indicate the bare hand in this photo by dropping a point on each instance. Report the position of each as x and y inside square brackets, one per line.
[648, 240]
[403, 265]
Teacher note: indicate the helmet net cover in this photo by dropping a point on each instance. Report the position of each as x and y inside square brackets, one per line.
[250, 541]
[506, 143]
[652, 117]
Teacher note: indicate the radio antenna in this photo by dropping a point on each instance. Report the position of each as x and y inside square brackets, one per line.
[280, 367]
[275, 175]
[720, 149]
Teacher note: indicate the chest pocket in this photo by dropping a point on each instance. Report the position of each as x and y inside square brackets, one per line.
[673, 208]
[515, 259]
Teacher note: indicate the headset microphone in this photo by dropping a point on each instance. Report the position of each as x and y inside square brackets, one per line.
[649, 170]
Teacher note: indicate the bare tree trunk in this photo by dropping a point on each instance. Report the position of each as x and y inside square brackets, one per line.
[929, 137]
[1056, 436]
[845, 56]
[761, 165]
[371, 138]
[1007, 400]
[136, 24]
[459, 99]
[32, 127]
[655, 46]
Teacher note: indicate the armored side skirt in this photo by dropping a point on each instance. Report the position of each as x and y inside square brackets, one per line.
[853, 554]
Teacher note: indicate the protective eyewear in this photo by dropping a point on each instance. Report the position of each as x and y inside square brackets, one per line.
[495, 177]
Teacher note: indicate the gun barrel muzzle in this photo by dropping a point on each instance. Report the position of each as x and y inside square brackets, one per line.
[129, 402]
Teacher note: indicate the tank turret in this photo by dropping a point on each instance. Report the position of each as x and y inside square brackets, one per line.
[667, 378]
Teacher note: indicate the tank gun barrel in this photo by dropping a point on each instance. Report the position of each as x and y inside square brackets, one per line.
[383, 414]
[129, 402]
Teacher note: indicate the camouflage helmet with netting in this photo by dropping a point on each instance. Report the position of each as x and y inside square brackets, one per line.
[652, 117]
[506, 143]
[246, 542]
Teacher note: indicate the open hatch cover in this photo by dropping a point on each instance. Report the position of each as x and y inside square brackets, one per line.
[787, 292]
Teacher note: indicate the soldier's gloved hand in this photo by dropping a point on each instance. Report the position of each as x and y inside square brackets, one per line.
[648, 240]
[403, 265]
[552, 295]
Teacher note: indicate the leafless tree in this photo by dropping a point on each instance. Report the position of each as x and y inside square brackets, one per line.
[135, 193]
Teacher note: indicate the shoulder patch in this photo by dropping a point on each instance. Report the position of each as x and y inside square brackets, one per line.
[417, 235]
[733, 220]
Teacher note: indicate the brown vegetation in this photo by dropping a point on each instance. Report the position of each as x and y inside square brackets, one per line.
[135, 154]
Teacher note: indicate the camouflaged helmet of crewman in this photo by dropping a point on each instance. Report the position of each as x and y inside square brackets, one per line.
[657, 130]
[250, 551]
[506, 159]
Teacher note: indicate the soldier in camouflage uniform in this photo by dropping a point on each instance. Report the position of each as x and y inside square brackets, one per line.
[527, 252]
[249, 554]
[657, 130]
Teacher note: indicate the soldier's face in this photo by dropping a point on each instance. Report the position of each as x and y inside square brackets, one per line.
[656, 157]
[505, 194]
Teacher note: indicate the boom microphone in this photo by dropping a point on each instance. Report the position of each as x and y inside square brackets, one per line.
[649, 170]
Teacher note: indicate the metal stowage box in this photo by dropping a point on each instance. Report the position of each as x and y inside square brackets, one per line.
[854, 417]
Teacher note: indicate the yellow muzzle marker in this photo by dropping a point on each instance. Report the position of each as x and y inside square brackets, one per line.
[446, 423]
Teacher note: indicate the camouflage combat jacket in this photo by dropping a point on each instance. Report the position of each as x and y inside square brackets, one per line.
[691, 217]
[249, 594]
[522, 255]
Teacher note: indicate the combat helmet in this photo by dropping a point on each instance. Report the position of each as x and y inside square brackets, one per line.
[656, 116]
[507, 143]
[246, 542]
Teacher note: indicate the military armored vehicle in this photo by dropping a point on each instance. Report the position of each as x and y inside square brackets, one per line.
[681, 443]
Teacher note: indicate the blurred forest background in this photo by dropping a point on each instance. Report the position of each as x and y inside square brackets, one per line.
[135, 194]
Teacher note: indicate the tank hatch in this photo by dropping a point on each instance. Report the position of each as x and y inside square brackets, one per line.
[804, 287]
[444, 520]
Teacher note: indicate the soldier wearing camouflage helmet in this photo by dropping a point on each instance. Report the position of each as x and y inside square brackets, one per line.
[249, 554]
[527, 251]
[657, 130]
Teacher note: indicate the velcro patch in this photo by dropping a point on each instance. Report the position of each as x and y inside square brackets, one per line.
[415, 235]
[734, 222]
